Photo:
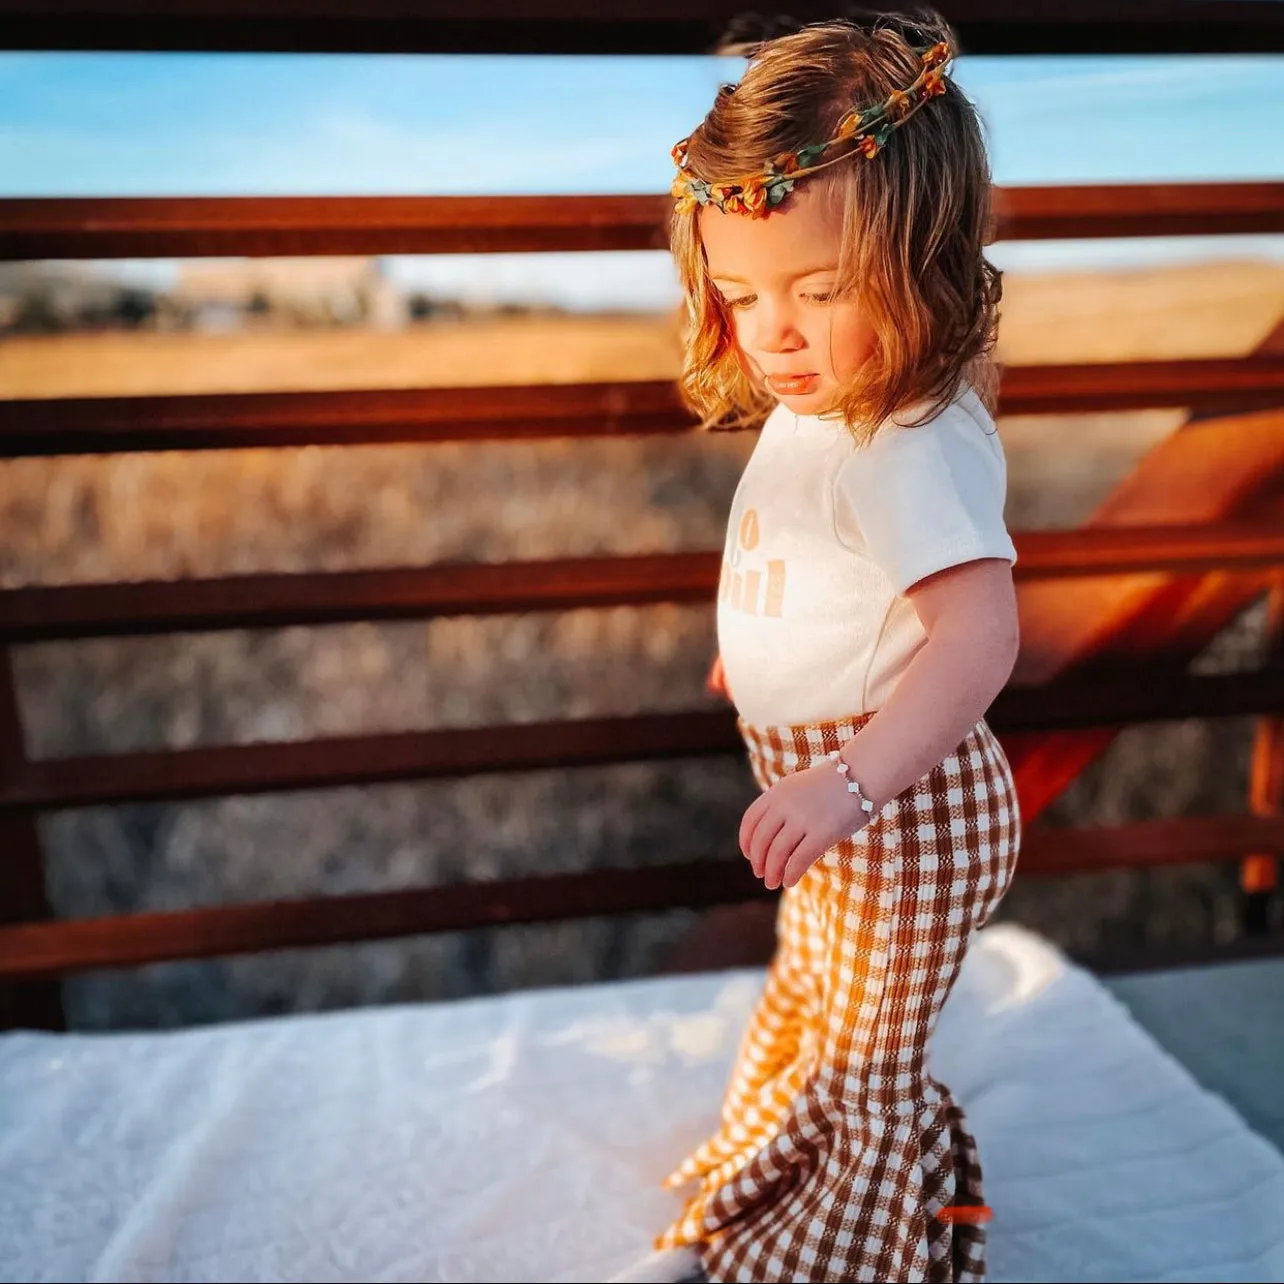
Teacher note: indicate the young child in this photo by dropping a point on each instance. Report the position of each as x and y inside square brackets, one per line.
[831, 212]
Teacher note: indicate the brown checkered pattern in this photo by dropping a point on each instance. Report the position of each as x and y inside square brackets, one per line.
[837, 1149]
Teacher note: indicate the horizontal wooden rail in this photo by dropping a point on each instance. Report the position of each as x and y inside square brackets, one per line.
[281, 600]
[157, 775]
[1147, 844]
[587, 27]
[256, 226]
[1180, 550]
[193, 227]
[50, 949]
[92, 425]
[147, 938]
[223, 420]
[41, 614]
[1204, 386]
[1138, 209]
[1117, 698]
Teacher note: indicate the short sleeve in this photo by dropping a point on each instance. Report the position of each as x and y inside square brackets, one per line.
[920, 500]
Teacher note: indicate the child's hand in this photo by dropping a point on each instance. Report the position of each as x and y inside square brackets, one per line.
[788, 828]
[716, 682]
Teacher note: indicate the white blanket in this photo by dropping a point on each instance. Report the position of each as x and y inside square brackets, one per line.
[522, 1137]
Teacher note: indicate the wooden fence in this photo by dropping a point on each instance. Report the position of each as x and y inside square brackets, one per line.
[1067, 718]
[590, 27]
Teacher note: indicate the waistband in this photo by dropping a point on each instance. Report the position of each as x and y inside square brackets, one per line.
[786, 743]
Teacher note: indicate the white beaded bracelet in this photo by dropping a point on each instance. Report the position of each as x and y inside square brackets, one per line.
[852, 787]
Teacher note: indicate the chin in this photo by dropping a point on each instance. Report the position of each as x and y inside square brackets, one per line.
[809, 403]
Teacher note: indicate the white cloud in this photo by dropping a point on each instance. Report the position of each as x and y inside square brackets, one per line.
[340, 154]
[1071, 75]
[368, 154]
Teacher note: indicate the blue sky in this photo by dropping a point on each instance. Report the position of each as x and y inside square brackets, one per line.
[139, 124]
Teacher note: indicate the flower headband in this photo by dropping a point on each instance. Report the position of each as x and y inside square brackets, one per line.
[757, 194]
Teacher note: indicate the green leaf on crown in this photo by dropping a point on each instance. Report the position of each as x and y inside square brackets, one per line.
[777, 191]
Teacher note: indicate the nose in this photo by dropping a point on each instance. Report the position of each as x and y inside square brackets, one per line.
[774, 329]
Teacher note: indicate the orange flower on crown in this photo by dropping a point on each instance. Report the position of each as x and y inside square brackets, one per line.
[727, 197]
[933, 83]
[786, 163]
[849, 124]
[754, 198]
[868, 146]
[898, 102]
[682, 194]
[937, 54]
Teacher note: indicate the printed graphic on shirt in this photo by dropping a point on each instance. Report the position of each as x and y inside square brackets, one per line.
[750, 582]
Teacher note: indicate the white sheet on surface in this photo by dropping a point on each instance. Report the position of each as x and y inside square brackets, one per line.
[522, 1137]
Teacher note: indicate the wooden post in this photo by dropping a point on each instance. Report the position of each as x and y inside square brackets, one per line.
[1258, 872]
[36, 1004]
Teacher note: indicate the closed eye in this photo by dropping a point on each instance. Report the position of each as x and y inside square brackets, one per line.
[748, 300]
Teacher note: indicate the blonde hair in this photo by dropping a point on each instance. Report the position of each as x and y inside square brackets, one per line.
[914, 222]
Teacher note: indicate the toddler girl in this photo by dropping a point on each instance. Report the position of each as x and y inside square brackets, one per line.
[831, 212]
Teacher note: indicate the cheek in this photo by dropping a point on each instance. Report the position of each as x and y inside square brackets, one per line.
[852, 342]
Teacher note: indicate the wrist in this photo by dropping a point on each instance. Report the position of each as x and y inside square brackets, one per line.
[854, 782]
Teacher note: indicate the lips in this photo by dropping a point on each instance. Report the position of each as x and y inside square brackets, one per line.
[792, 385]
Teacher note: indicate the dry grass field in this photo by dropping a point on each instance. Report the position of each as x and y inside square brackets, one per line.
[177, 515]
[1218, 309]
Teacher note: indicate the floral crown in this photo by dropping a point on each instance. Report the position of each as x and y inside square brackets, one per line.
[867, 131]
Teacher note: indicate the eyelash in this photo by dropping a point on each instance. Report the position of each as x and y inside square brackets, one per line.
[746, 300]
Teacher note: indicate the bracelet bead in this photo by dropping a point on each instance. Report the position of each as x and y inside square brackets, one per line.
[852, 786]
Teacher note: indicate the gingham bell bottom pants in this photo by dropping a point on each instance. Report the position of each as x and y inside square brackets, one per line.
[837, 1151]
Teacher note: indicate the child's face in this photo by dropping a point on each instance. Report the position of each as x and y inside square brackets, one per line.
[776, 276]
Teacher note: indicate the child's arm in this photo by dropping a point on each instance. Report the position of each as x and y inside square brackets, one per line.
[970, 617]
[716, 682]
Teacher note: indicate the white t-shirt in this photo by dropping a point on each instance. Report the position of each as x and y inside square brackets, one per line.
[825, 537]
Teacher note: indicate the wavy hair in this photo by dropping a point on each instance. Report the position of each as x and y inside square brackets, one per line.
[914, 222]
